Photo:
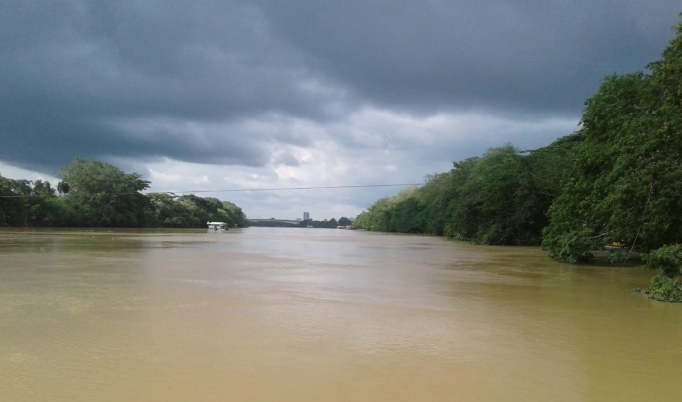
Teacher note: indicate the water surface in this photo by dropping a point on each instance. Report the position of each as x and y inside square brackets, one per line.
[264, 314]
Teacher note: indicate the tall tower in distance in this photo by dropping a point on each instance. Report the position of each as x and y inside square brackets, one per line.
[306, 216]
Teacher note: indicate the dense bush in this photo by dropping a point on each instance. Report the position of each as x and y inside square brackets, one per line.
[665, 288]
[667, 259]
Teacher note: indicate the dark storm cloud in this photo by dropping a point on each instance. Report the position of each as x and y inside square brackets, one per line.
[71, 71]
[523, 56]
[191, 80]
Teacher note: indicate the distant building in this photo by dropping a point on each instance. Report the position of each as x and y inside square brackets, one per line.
[306, 216]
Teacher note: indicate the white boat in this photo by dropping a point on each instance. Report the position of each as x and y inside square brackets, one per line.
[217, 225]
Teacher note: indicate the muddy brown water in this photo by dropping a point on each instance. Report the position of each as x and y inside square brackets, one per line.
[264, 314]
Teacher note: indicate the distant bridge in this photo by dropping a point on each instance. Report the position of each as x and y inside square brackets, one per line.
[273, 220]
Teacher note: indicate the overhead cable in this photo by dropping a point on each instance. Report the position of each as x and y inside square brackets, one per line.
[231, 190]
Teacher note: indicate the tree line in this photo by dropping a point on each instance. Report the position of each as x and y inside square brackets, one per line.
[323, 224]
[329, 224]
[501, 197]
[617, 179]
[97, 194]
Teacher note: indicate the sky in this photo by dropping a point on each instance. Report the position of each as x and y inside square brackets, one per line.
[218, 95]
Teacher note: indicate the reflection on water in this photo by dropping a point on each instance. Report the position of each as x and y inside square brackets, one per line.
[321, 315]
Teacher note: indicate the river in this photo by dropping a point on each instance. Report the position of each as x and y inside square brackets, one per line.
[271, 314]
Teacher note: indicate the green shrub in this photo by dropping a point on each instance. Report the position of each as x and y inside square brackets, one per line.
[667, 259]
[571, 246]
[664, 288]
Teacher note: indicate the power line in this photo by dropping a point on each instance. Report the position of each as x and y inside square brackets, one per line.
[230, 190]
[291, 188]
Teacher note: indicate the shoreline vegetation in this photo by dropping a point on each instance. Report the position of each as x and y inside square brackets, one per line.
[97, 194]
[307, 223]
[616, 180]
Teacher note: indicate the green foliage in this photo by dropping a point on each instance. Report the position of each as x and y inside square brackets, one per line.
[235, 214]
[497, 204]
[402, 213]
[667, 260]
[99, 194]
[63, 187]
[570, 246]
[499, 198]
[665, 288]
[102, 195]
[627, 181]
[433, 199]
[618, 257]
[25, 202]
[323, 224]
[190, 211]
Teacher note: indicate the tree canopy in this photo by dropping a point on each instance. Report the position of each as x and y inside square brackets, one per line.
[627, 181]
[101, 194]
[501, 197]
[97, 194]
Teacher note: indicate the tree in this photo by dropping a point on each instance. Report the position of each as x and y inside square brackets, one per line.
[26, 203]
[190, 211]
[100, 194]
[63, 187]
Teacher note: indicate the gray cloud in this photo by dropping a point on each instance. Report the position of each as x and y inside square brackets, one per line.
[75, 75]
[232, 82]
[287, 159]
[523, 56]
